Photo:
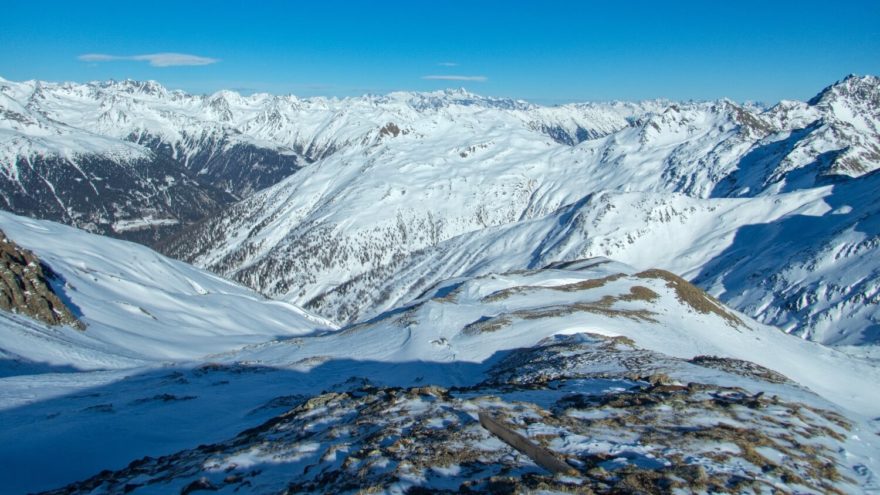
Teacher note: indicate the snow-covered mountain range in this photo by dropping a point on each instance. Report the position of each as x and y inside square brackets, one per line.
[135, 160]
[417, 261]
[366, 189]
[691, 187]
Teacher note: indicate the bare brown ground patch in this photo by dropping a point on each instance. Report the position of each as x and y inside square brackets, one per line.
[691, 295]
[573, 287]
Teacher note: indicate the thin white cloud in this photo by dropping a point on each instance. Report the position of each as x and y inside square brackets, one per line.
[155, 59]
[456, 78]
[448, 64]
[97, 57]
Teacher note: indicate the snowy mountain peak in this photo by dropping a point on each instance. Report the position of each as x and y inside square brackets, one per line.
[855, 102]
[130, 86]
[862, 88]
[464, 98]
[219, 105]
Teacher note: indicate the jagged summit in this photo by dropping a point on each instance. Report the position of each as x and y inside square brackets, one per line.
[862, 88]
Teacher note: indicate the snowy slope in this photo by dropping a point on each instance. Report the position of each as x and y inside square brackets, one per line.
[334, 236]
[139, 307]
[470, 319]
[816, 274]
[504, 343]
[363, 208]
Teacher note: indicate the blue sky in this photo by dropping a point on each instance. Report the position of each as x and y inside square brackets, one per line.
[549, 52]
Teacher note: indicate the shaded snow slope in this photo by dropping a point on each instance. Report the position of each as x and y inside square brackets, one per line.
[137, 306]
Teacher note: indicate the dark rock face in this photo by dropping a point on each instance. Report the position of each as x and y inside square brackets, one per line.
[142, 201]
[239, 169]
[563, 136]
[26, 287]
[148, 199]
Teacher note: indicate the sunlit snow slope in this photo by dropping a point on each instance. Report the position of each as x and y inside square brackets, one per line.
[138, 306]
[136, 160]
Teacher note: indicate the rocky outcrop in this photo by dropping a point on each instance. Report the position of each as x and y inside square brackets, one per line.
[615, 418]
[26, 287]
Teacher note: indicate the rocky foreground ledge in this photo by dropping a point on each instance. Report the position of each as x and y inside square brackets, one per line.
[625, 420]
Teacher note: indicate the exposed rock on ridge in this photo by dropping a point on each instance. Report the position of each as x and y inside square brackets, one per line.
[26, 287]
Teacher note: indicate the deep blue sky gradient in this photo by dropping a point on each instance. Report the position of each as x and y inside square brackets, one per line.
[548, 52]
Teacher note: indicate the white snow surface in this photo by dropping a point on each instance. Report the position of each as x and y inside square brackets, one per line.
[168, 344]
[434, 328]
[139, 307]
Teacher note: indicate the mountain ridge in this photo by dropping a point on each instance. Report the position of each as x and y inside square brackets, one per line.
[360, 215]
[376, 180]
[224, 146]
